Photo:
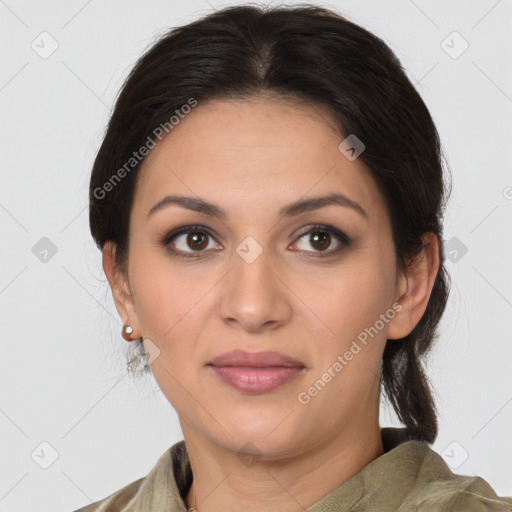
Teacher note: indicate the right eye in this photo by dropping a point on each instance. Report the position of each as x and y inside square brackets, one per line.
[187, 241]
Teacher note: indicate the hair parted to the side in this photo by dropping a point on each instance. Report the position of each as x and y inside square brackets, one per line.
[312, 55]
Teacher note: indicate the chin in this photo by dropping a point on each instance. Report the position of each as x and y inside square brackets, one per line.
[265, 440]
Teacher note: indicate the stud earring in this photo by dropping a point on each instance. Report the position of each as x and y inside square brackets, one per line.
[127, 330]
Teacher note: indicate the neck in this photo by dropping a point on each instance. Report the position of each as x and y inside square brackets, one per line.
[223, 482]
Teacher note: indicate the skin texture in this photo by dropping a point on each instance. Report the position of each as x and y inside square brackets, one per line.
[252, 158]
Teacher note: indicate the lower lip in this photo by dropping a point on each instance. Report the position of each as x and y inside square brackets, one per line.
[256, 380]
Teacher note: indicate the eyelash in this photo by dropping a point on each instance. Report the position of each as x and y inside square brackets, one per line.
[344, 239]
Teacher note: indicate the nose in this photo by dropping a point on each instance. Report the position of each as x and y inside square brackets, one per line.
[254, 296]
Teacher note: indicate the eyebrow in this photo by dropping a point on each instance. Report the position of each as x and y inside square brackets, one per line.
[290, 210]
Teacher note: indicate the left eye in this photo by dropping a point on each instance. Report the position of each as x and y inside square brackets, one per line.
[322, 237]
[196, 238]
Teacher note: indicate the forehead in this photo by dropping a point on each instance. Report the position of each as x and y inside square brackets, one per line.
[258, 151]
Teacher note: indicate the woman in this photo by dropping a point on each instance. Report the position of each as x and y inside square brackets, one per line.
[268, 199]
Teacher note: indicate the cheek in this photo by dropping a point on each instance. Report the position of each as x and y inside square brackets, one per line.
[350, 298]
[163, 291]
[168, 312]
[347, 319]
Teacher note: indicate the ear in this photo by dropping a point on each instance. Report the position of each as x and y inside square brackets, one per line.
[121, 291]
[414, 286]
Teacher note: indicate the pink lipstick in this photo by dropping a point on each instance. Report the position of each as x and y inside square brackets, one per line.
[256, 372]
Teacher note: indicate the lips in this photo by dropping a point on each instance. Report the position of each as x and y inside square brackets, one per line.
[256, 372]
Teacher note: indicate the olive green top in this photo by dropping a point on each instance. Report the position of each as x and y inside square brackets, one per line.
[408, 476]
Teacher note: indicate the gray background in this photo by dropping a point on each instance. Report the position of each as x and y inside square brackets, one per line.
[63, 379]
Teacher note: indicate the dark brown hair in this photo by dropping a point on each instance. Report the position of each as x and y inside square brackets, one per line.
[309, 54]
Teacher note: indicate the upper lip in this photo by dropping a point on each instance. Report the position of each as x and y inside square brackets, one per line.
[256, 359]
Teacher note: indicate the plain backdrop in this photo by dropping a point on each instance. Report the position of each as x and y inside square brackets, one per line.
[74, 426]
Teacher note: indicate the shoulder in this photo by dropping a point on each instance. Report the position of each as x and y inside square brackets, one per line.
[425, 483]
[116, 502]
[443, 490]
[158, 490]
[460, 494]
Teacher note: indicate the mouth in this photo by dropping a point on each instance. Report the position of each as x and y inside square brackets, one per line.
[256, 372]
[256, 379]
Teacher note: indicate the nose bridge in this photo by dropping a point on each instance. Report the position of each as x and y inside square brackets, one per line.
[252, 295]
[251, 262]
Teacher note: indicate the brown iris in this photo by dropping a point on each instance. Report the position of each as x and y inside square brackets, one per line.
[197, 240]
[322, 239]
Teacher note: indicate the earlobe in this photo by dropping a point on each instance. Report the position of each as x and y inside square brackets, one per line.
[121, 292]
[415, 287]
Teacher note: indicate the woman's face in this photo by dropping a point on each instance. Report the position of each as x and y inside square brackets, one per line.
[256, 280]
